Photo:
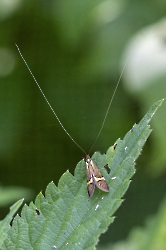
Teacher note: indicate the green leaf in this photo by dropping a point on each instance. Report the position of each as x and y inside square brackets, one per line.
[5, 223]
[66, 218]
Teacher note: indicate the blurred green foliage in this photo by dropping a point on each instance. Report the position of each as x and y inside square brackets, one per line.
[74, 50]
[149, 237]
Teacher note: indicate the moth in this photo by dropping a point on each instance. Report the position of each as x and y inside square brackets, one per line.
[94, 177]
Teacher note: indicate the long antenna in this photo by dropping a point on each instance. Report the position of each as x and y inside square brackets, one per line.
[113, 94]
[107, 108]
[48, 102]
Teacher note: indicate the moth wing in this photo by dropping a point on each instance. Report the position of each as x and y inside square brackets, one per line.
[90, 179]
[91, 188]
[101, 184]
[100, 181]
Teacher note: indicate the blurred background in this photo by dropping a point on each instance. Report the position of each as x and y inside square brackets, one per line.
[76, 51]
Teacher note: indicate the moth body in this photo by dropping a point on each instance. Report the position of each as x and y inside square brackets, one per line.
[94, 177]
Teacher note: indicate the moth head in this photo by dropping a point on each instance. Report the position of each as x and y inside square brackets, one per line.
[87, 159]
